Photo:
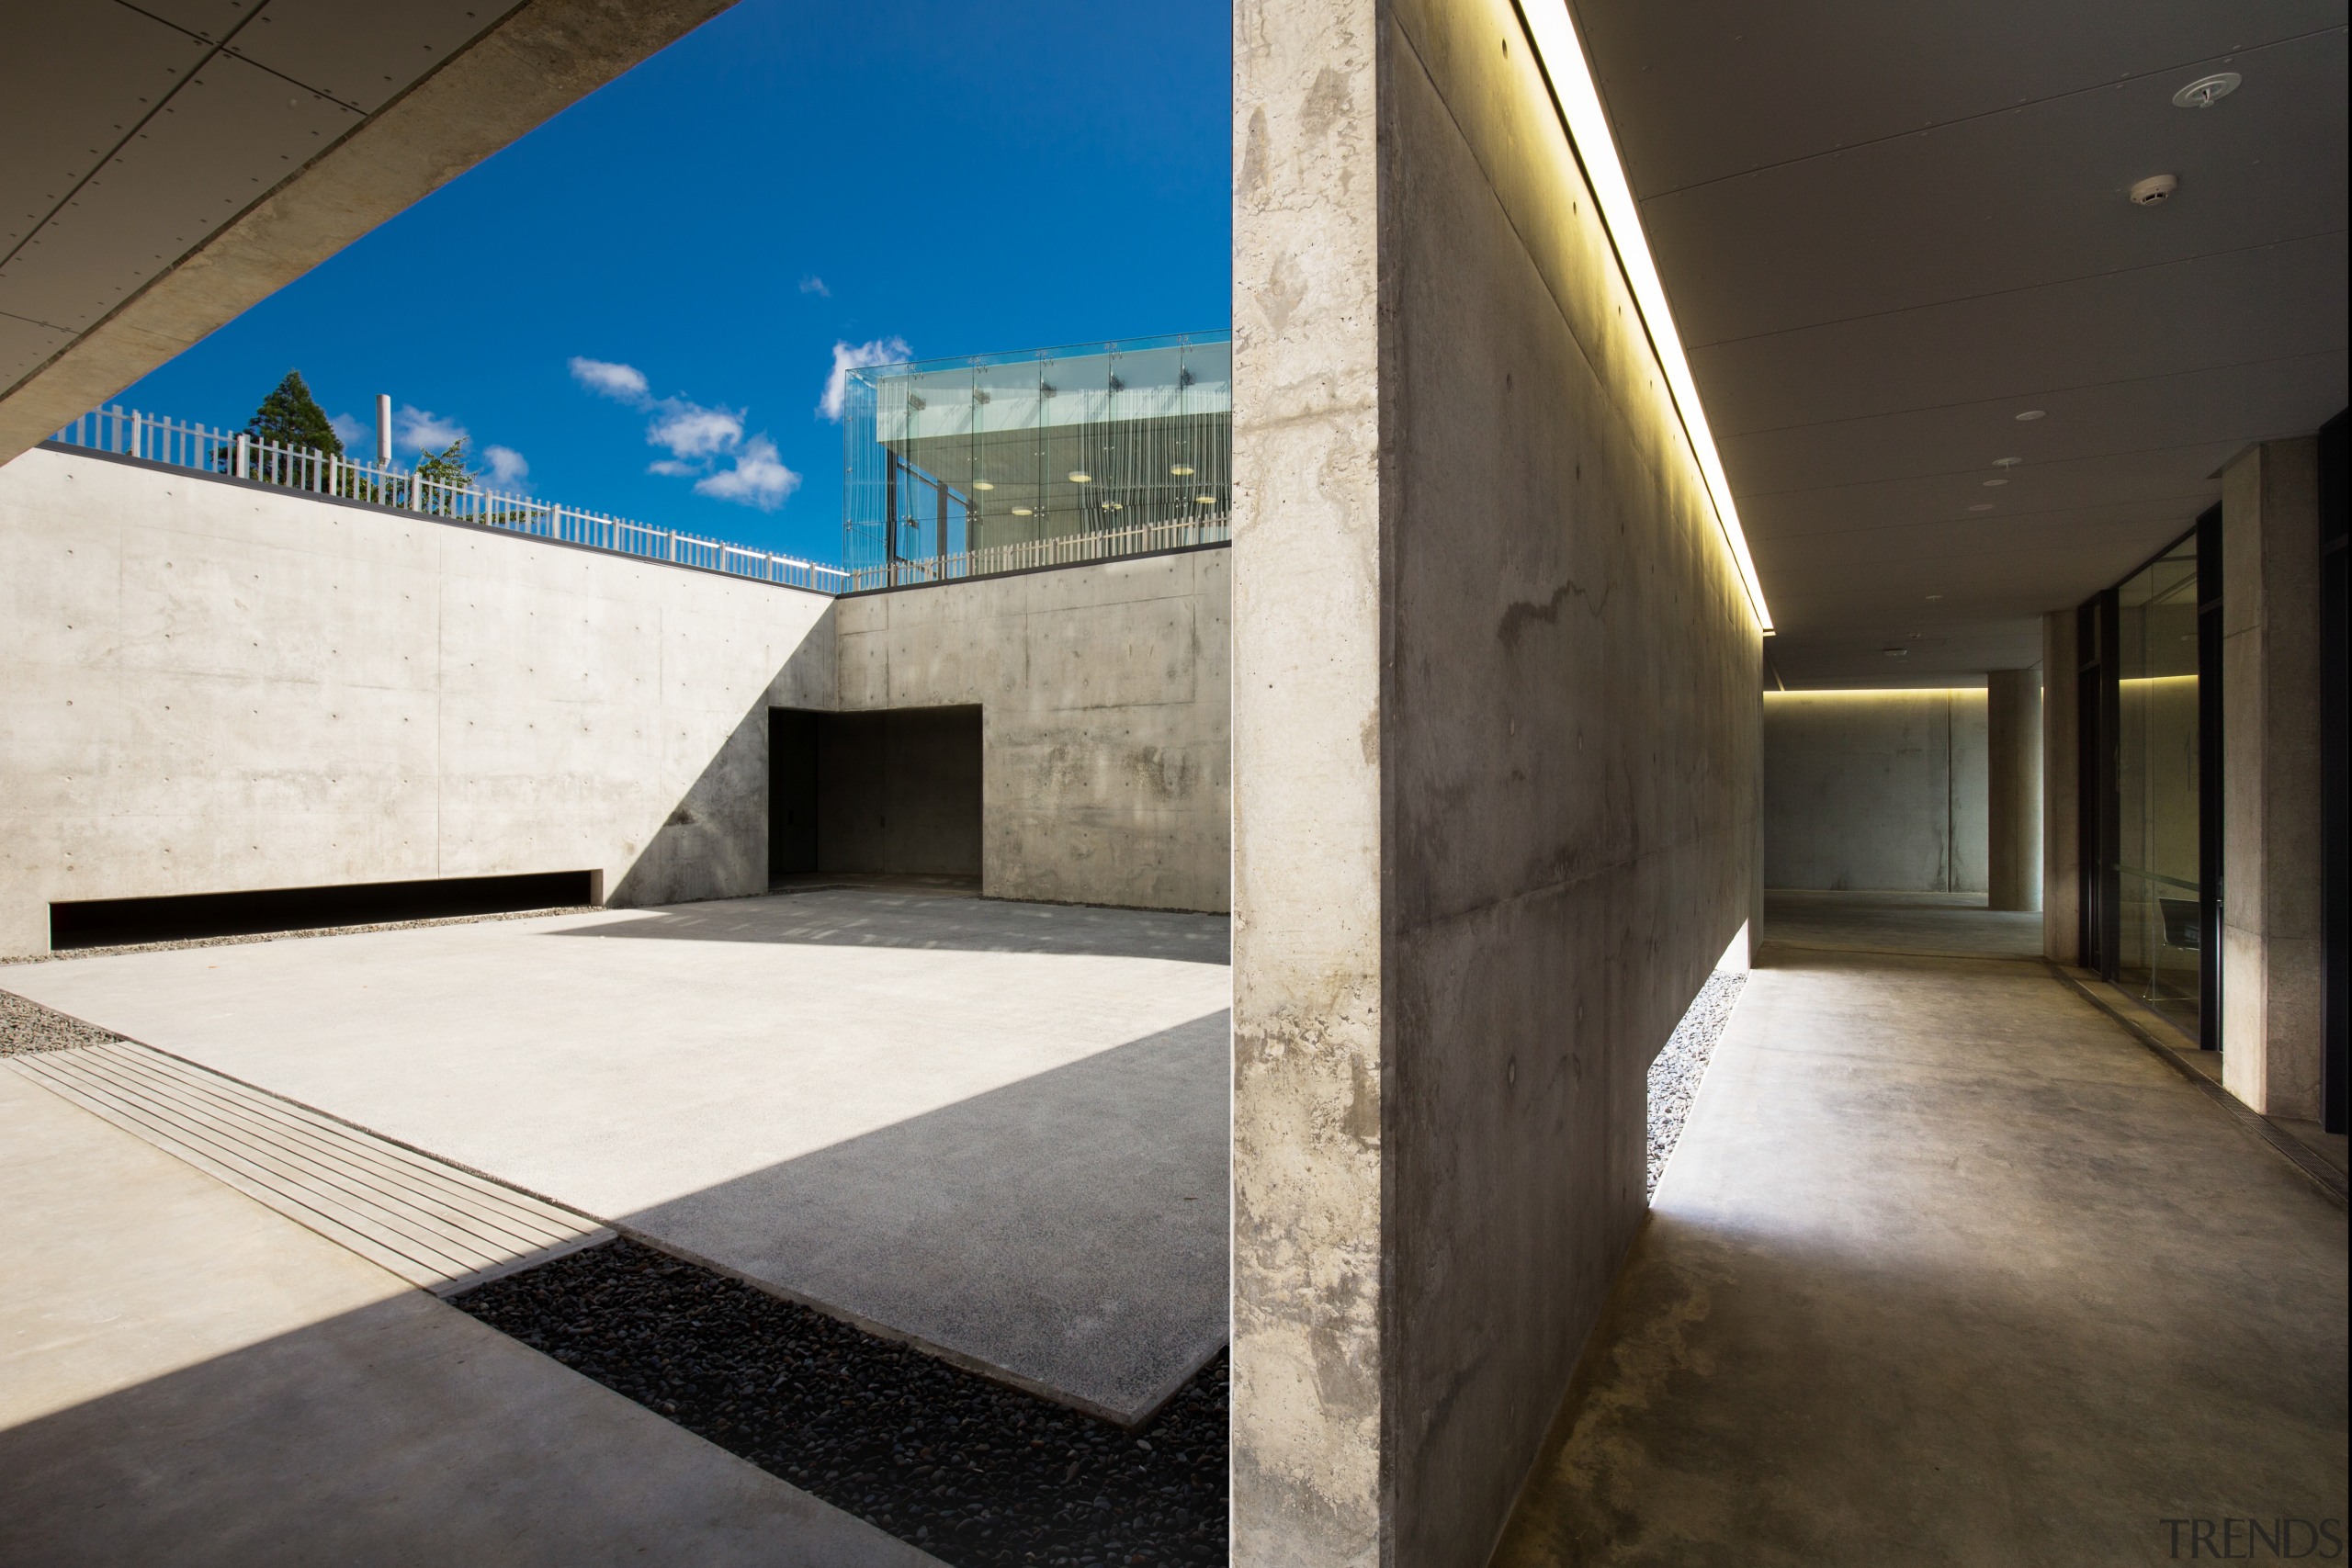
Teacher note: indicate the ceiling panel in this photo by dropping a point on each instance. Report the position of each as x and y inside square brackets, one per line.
[65, 106]
[24, 344]
[216, 146]
[1983, 207]
[364, 55]
[1703, 89]
[2270, 302]
[2232, 404]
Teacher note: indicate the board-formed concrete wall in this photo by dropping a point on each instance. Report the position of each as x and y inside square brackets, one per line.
[1877, 790]
[1495, 733]
[1105, 725]
[212, 686]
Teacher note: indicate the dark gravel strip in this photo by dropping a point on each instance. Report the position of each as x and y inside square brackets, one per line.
[285, 936]
[26, 1027]
[1674, 1076]
[972, 1472]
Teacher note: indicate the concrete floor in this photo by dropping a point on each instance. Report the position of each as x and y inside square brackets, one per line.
[996, 1129]
[187, 1377]
[1956, 923]
[1948, 1269]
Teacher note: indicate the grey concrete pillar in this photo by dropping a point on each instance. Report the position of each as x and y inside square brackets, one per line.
[1496, 693]
[2013, 789]
[2061, 806]
[2270, 804]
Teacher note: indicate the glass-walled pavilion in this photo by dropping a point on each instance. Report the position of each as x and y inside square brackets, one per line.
[961, 467]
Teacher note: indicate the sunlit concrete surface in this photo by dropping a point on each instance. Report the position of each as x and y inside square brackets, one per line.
[996, 1129]
[1951, 923]
[187, 1377]
[1950, 1268]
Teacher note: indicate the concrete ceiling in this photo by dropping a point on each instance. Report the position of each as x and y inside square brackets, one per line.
[165, 164]
[1888, 228]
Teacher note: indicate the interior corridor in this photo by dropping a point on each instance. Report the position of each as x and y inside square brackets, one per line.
[1950, 1268]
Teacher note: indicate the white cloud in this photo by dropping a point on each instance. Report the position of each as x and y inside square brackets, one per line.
[624, 382]
[350, 431]
[508, 470]
[849, 356]
[424, 431]
[669, 467]
[758, 479]
[690, 429]
[812, 284]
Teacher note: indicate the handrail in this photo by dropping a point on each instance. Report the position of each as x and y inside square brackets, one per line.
[234, 454]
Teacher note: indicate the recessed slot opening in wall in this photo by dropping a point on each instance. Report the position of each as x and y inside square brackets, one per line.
[117, 922]
[893, 792]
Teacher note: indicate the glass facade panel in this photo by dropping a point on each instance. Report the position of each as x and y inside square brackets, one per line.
[2156, 767]
[961, 467]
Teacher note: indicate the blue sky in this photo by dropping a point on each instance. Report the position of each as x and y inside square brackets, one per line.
[945, 178]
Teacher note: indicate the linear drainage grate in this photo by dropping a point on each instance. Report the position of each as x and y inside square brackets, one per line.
[438, 1227]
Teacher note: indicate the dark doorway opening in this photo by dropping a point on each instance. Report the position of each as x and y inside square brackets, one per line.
[121, 922]
[895, 791]
[2335, 775]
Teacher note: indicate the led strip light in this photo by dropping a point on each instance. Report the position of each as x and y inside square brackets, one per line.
[1561, 55]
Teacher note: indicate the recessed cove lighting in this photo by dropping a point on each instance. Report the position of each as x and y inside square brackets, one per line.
[2154, 191]
[982, 484]
[2031, 415]
[1562, 56]
[1081, 477]
[1181, 470]
[2206, 91]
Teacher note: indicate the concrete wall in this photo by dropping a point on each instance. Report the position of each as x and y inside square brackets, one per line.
[2013, 789]
[2270, 779]
[215, 687]
[1495, 749]
[1107, 718]
[208, 686]
[2062, 876]
[1876, 790]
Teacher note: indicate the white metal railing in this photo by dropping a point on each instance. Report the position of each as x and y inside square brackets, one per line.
[233, 454]
[1069, 549]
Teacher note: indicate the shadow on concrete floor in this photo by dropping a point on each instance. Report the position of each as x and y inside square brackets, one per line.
[1953, 924]
[1066, 1232]
[886, 914]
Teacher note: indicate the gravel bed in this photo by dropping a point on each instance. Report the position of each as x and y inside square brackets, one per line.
[308, 930]
[1674, 1076]
[972, 1472]
[26, 1027]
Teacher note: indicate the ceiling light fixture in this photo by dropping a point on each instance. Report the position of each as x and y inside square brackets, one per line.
[1991, 484]
[2206, 91]
[1897, 652]
[1204, 500]
[2154, 191]
[1982, 506]
[1081, 477]
[1562, 56]
[1024, 512]
[2031, 414]
[1933, 597]
[2007, 462]
[1181, 470]
[1114, 506]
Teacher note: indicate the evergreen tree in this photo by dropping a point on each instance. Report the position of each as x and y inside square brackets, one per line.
[446, 466]
[291, 417]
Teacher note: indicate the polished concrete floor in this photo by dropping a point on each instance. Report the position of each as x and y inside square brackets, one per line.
[1956, 923]
[1948, 1269]
[996, 1129]
[188, 1378]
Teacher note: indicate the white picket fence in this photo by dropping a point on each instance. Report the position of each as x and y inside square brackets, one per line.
[230, 453]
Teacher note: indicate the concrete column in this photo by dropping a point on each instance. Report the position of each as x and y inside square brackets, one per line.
[2271, 806]
[1496, 691]
[2013, 789]
[2060, 824]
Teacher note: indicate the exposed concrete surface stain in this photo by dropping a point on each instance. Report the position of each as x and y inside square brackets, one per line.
[1519, 613]
[1326, 105]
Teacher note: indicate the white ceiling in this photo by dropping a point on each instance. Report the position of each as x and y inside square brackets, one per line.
[134, 133]
[1888, 228]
